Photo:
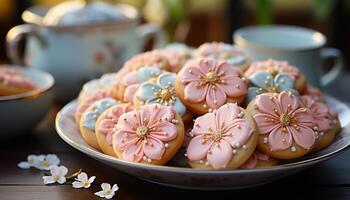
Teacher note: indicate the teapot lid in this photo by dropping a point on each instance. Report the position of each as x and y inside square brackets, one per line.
[82, 13]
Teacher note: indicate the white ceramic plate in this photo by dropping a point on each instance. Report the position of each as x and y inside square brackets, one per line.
[181, 177]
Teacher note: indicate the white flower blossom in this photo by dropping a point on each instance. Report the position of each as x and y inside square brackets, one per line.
[31, 161]
[57, 175]
[107, 192]
[83, 181]
[47, 162]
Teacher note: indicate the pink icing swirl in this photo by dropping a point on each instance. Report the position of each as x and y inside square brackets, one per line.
[282, 118]
[90, 99]
[218, 134]
[319, 111]
[143, 134]
[273, 66]
[108, 125]
[14, 77]
[253, 160]
[211, 81]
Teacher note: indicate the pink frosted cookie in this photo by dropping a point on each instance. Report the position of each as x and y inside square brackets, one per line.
[206, 84]
[276, 67]
[324, 128]
[221, 51]
[314, 93]
[12, 81]
[151, 135]
[259, 160]
[150, 58]
[90, 99]
[286, 127]
[106, 126]
[223, 139]
[176, 57]
[131, 81]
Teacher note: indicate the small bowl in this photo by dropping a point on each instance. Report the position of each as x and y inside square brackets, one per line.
[21, 112]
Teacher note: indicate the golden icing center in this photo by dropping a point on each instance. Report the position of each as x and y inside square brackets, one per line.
[272, 71]
[216, 135]
[273, 89]
[165, 94]
[285, 119]
[211, 77]
[141, 131]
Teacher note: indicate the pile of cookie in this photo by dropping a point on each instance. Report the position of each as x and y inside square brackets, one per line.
[226, 111]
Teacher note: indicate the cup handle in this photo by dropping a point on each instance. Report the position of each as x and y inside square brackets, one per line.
[337, 68]
[148, 30]
[13, 38]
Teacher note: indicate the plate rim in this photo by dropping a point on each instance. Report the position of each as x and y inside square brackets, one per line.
[99, 155]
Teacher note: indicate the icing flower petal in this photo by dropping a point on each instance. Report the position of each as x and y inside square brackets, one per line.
[280, 140]
[191, 74]
[305, 137]
[223, 118]
[215, 98]
[241, 134]
[267, 105]
[197, 150]
[234, 86]
[166, 78]
[126, 120]
[323, 124]
[106, 126]
[252, 93]
[131, 78]
[284, 81]
[133, 152]
[195, 94]
[156, 150]
[261, 79]
[146, 91]
[266, 122]
[148, 72]
[179, 107]
[304, 117]
[220, 155]
[204, 123]
[130, 92]
[166, 113]
[165, 131]
[124, 138]
[287, 102]
[228, 70]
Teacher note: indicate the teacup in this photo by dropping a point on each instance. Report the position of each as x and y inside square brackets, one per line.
[74, 54]
[299, 46]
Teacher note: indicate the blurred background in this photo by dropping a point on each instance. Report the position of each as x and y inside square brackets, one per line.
[198, 21]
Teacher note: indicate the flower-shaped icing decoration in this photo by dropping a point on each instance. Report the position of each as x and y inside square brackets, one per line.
[264, 82]
[313, 92]
[217, 135]
[99, 107]
[274, 67]
[284, 121]
[253, 160]
[212, 82]
[221, 51]
[144, 134]
[151, 58]
[108, 126]
[132, 80]
[161, 92]
[320, 113]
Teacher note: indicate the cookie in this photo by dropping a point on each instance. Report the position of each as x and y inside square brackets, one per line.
[314, 92]
[223, 139]
[89, 118]
[132, 80]
[259, 160]
[285, 125]
[150, 58]
[151, 135]
[221, 51]
[106, 126]
[324, 129]
[206, 84]
[12, 82]
[276, 68]
[162, 91]
[177, 55]
[92, 97]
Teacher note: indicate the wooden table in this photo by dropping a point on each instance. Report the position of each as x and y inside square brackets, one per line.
[330, 180]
